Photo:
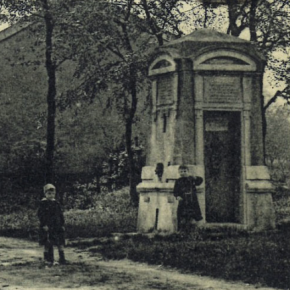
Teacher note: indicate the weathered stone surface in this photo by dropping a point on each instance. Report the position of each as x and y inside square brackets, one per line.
[207, 92]
[257, 172]
[260, 212]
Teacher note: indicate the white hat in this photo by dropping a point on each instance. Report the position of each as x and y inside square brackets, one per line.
[47, 187]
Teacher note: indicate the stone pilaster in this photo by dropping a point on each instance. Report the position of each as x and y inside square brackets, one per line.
[257, 144]
[184, 133]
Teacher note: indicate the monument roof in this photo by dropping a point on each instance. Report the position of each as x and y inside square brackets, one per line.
[204, 40]
[208, 35]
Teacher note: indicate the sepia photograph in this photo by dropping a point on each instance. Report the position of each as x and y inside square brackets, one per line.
[144, 144]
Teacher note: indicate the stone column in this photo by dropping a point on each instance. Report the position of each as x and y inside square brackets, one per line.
[247, 137]
[257, 144]
[199, 137]
[198, 112]
[247, 99]
[152, 144]
[184, 130]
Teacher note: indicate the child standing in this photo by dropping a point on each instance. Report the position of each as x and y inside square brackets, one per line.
[51, 231]
[185, 193]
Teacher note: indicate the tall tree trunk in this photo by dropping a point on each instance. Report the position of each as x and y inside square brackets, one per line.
[155, 30]
[51, 94]
[130, 112]
[236, 10]
[205, 7]
[129, 124]
[132, 184]
[233, 28]
[252, 21]
[264, 127]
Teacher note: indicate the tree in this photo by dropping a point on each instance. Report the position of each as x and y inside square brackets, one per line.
[45, 15]
[268, 24]
[277, 143]
[58, 19]
[120, 57]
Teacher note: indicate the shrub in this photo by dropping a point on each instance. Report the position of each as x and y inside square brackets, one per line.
[23, 224]
[281, 199]
[108, 213]
[22, 175]
[80, 195]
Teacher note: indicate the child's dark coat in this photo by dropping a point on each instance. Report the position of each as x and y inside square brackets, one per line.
[50, 214]
[188, 207]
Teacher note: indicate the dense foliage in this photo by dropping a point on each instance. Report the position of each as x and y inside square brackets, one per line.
[22, 181]
[277, 145]
[104, 214]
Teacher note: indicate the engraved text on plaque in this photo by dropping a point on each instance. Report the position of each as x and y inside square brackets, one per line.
[222, 89]
[165, 90]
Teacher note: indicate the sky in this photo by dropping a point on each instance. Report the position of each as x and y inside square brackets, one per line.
[3, 26]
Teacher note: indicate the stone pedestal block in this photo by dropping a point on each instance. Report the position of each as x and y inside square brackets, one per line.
[157, 204]
[157, 208]
[259, 206]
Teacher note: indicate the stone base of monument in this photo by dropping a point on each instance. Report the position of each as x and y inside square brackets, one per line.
[158, 207]
[207, 113]
[259, 207]
[157, 204]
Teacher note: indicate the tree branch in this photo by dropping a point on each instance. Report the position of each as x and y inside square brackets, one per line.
[275, 97]
[151, 23]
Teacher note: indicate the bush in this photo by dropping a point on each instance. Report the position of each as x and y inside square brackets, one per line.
[79, 196]
[281, 200]
[21, 224]
[22, 175]
[108, 213]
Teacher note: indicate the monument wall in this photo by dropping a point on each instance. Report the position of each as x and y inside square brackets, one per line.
[207, 114]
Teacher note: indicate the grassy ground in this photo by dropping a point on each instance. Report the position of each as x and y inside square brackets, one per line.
[262, 259]
[21, 268]
[253, 258]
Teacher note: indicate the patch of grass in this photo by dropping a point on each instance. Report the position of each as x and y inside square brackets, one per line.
[258, 258]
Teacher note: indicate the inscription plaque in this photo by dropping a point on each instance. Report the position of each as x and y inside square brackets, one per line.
[223, 89]
[165, 90]
[217, 124]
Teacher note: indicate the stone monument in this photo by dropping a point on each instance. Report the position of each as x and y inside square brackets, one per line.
[207, 113]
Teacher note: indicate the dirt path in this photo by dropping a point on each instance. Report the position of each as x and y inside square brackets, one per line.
[21, 268]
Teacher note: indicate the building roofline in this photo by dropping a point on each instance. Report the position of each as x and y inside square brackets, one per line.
[13, 29]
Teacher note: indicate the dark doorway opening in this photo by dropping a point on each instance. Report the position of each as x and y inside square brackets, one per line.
[222, 155]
